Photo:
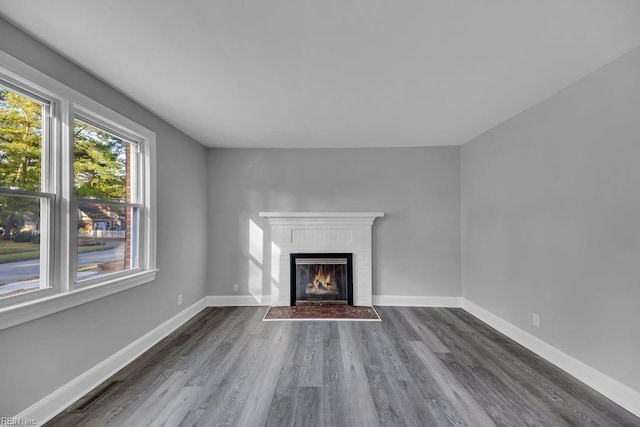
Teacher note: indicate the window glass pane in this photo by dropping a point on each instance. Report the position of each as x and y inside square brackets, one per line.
[102, 164]
[19, 245]
[20, 141]
[107, 239]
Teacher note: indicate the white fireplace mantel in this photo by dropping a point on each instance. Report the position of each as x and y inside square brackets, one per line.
[317, 232]
[323, 216]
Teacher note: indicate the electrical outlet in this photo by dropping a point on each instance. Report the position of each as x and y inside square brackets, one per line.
[179, 299]
[535, 319]
[235, 287]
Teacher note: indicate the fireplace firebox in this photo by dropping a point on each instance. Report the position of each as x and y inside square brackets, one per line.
[321, 278]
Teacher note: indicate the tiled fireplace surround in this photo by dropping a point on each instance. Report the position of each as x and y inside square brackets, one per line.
[321, 232]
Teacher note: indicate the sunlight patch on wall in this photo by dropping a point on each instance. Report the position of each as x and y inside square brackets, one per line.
[255, 279]
[255, 242]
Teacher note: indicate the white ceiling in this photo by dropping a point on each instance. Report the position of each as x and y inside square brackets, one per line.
[334, 73]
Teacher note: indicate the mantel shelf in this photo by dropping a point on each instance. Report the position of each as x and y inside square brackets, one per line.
[320, 215]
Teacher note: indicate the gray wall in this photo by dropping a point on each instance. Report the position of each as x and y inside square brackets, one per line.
[39, 356]
[551, 219]
[416, 244]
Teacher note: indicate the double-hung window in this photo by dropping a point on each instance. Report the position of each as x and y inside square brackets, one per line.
[77, 197]
[106, 178]
[27, 192]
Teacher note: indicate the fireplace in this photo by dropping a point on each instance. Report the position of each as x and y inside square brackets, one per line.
[321, 233]
[321, 278]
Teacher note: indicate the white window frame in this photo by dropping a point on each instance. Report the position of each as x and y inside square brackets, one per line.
[60, 253]
[139, 191]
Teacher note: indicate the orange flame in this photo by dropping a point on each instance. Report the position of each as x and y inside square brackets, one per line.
[321, 278]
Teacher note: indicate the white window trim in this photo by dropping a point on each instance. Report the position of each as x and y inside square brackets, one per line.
[64, 294]
[83, 114]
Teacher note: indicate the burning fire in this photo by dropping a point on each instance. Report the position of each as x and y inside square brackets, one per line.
[322, 278]
[321, 283]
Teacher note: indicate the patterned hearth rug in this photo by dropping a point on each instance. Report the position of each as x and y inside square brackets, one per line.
[326, 312]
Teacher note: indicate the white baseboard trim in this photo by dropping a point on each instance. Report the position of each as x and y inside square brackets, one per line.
[417, 301]
[51, 405]
[237, 300]
[623, 395]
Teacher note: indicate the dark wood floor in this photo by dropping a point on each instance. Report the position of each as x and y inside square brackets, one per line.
[418, 367]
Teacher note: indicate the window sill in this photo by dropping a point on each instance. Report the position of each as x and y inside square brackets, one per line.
[34, 309]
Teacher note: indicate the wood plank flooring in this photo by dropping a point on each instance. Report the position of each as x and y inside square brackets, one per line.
[418, 367]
